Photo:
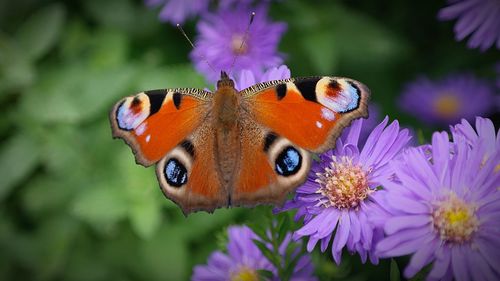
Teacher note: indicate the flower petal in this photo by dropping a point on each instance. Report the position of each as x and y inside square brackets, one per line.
[399, 223]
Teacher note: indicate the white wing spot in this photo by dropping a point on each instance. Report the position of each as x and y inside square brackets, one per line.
[319, 124]
[327, 114]
[148, 137]
[140, 130]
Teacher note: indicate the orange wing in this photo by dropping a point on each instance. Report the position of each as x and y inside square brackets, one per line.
[270, 167]
[310, 112]
[188, 174]
[283, 122]
[154, 122]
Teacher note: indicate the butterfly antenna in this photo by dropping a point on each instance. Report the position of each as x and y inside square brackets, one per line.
[243, 41]
[192, 45]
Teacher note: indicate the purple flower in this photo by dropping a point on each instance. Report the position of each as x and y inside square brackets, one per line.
[478, 18]
[221, 40]
[246, 78]
[446, 210]
[339, 201]
[448, 100]
[243, 259]
[177, 11]
[483, 134]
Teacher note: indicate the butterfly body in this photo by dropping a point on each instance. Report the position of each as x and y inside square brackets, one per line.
[236, 148]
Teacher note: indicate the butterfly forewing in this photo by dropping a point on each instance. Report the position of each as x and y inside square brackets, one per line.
[154, 122]
[311, 112]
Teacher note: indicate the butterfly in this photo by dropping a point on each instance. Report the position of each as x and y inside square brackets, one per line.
[237, 148]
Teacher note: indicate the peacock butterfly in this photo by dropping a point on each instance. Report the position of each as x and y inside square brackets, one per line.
[237, 148]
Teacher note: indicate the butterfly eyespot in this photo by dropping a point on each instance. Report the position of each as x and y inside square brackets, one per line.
[132, 112]
[175, 173]
[288, 161]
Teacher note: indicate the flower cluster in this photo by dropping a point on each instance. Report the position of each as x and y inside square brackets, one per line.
[478, 18]
[446, 209]
[244, 260]
[383, 200]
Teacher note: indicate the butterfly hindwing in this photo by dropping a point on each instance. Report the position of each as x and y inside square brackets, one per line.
[189, 176]
[154, 122]
[271, 166]
[311, 112]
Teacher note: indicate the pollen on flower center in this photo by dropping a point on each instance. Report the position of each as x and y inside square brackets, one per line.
[244, 274]
[447, 105]
[343, 183]
[238, 46]
[455, 220]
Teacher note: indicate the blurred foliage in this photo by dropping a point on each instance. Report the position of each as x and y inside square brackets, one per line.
[75, 206]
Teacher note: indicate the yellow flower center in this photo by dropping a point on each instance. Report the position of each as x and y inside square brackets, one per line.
[238, 46]
[343, 184]
[455, 220]
[447, 105]
[245, 274]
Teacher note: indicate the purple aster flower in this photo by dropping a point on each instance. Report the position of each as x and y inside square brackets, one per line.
[177, 11]
[446, 210]
[244, 259]
[484, 134]
[478, 18]
[246, 78]
[222, 38]
[448, 100]
[339, 200]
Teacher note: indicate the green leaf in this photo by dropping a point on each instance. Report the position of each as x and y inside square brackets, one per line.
[54, 242]
[102, 206]
[394, 275]
[325, 61]
[265, 274]
[108, 48]
[44, 195]
[291, 250]
[145, 217]
[275, 260]
[181, 76]
[41, 31]
[164, 256]
[76, 93]
[284, 227]
[16, 70]
[421, 137]
[222, 239]
[261, 231]
[18, 157]
[203, 221]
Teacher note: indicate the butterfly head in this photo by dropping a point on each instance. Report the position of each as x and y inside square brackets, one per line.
[225, 81]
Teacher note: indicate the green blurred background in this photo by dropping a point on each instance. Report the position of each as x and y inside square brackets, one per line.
[73, 203]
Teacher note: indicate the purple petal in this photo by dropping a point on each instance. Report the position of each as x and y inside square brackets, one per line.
[402, 222]
[401, 237]
[342, 231]
[441, 265]
[459, 264]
